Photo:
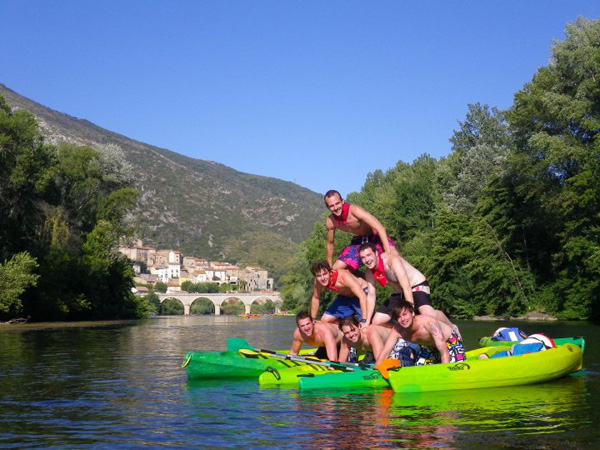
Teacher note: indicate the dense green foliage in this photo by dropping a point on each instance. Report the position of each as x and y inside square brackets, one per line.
[202, 306]
[171, 307]
[63, 210]
[509, 222]
[268, 307]
[208, 288]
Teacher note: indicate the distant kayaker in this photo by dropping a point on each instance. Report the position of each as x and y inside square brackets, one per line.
[352, 219]
[351, 298]
[439, 342]
[368, 339]
[408, 284]
[327, 336]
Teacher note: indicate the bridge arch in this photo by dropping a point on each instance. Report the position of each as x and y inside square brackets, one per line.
[177, 305]
[203, 304]
[246, 298]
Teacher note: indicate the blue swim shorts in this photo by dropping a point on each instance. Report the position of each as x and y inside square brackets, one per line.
[344, 306]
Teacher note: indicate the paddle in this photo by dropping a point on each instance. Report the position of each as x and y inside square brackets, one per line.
[318, 362]
[387, 365]
[238, 344]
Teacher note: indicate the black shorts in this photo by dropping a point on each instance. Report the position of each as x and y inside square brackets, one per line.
[421, 298]
[321, 353]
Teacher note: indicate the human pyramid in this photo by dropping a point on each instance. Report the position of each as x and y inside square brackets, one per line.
[405, 328]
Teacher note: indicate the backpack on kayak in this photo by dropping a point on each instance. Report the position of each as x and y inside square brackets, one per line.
[509, 334]
[540, 338]
[533, 344]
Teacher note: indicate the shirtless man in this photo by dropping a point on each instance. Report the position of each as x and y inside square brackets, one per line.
[408, 284]
[323, 335]
[352, 219]
[439, 342]
[369, 339]
[351, 299]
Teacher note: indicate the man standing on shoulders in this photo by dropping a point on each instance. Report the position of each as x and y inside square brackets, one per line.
[351, 298]
[439, 342]
[408, 283]
[352, 219]
[323, 335]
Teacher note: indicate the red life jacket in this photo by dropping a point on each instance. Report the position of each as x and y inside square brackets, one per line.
[332, 279]
[342, 217]
[379, 272]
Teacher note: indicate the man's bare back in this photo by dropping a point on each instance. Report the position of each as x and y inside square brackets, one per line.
[423, 331]
[318, 338]
[414, 276]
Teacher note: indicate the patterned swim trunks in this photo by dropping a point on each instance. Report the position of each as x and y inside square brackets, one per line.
[405, 351]
[350, 254]
[455, 348]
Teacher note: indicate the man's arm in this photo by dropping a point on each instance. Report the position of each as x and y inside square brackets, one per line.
[436, 333]
[351, 282]
[395, 264]
[371, 294]
[374, 339]
[344, 350]
[375, 225]
[315, 300]
[328, 340]
[389, 345]
[330, 240]
[296, 343]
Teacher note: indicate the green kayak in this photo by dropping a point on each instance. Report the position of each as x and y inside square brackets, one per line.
[575, 340]
[229, 365]
[518, 370]
[242, 361]
[361, 377]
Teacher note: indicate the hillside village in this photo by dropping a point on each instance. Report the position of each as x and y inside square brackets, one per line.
[173, 268]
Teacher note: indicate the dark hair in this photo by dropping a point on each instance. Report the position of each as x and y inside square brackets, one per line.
[318, 266]
[350, 321]
[302, 315]
[367, 245]
[398, 307]
[331, 193]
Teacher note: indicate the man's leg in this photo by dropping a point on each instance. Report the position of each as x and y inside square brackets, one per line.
[438, 315]
[328, 318]
[348, 259]
[382, 319]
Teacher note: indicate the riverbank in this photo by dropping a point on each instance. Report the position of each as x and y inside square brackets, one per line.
[533, 316]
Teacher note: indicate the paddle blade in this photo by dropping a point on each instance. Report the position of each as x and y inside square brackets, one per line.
[236, 344]
[387, 365]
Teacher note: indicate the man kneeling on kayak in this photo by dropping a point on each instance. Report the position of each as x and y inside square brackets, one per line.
[439, 342]
[369, 339]
[326, 336]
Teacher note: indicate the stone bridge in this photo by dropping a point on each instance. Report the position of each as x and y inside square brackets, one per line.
[217, 299]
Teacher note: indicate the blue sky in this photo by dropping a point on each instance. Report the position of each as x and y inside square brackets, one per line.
[319, 93]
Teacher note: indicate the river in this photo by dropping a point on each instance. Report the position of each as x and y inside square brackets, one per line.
[120, 385]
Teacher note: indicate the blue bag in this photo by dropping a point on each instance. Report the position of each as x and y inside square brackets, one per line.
[509, 334]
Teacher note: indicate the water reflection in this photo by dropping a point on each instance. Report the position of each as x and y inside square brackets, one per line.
[445, 419]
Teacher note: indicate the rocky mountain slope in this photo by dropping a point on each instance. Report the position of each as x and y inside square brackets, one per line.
[202, 208]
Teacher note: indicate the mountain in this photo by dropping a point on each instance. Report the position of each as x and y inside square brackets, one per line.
[201, 208]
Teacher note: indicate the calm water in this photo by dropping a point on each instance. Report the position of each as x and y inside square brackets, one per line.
[121, 386]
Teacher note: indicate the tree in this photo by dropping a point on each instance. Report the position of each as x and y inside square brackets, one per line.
[160, 287]
[171, 307]
[16, 275]
[555, 168]
[479, 152]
